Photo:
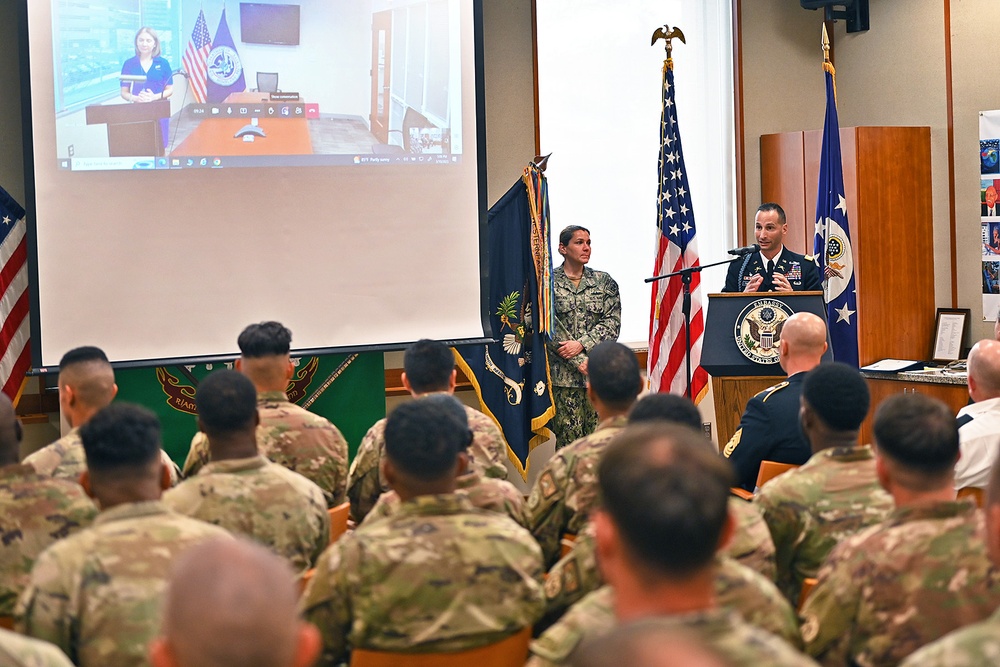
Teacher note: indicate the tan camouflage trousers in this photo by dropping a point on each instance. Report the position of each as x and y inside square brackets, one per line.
[575, 416]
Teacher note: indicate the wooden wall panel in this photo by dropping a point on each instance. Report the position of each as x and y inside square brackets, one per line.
[781, 181]
[887, 183]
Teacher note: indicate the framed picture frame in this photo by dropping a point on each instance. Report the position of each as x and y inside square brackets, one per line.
[950, 331]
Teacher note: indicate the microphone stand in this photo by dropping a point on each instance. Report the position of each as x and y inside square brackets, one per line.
[686, 277]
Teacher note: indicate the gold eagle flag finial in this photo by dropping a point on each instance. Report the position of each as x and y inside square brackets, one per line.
[668, 34]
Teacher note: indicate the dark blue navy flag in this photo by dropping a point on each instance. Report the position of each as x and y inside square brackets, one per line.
[511, 376]
[832, 244]
[225, 69]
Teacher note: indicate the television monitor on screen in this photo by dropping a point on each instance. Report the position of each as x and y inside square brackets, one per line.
[269, 24]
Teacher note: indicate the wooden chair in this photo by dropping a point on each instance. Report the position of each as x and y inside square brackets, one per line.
[741, 493]
[771, 469]
[509, 652]
[808, 584]
[566, 544]
[338, 520]
[972, 492]
[7, 622]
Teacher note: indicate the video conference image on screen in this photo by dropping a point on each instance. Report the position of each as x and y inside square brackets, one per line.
[182, 84]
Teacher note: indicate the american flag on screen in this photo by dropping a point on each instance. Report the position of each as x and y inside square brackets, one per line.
[676, 248]
[196, 57]
[15, 351]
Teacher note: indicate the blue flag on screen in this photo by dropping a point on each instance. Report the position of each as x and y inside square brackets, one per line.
[511, 376]
[225, 69]
[832, 244]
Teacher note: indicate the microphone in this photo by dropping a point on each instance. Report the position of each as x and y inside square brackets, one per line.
[182, 73]
[746, 250]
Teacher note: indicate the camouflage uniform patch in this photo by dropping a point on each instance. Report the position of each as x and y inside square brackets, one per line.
[262, 500]
[35, 511]
[96, 594]
[589, 313]
[742, 641]
[810, 510]
[365, 482]
[295, 438]
[900, 584]
[493, 495]
[573, 472]
[396, 584]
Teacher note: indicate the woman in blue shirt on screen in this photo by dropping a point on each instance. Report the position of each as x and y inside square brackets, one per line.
[159, 78]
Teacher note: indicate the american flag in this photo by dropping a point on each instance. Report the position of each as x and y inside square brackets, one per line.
[832, 243]
[196, 58]
[676, 249]
[15, 350]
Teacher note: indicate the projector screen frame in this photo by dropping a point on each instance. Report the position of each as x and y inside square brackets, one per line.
[31, 190]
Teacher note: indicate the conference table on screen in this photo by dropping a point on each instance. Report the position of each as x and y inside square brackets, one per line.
[216, 136]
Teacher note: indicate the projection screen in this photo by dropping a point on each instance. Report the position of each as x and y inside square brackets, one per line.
[341, 193]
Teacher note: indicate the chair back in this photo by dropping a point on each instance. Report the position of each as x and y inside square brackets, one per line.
[7, 622]
[972, 492]
[808, 584]
[304, 580]
[338, 520]
[566, 544]
[267, 82]
[771, 469]
[509, 652]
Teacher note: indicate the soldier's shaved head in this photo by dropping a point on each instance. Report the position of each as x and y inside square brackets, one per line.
[803, 342]
[86, 383]
[10, 432]
[264, 355]
[984, 370]
[232, 603]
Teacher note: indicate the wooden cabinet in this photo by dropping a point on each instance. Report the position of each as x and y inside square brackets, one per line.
[887, 182]
[956, 396]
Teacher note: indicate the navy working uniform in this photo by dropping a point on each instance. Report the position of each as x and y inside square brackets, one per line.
[769, 430]
[800, 270]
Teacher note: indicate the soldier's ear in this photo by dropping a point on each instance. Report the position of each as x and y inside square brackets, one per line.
[728, 532]
[164, 477]
[85, 483]
[160, 654]
[406, 382]
[308, 645]
[114, 391]
[388, 472]
[453, 381]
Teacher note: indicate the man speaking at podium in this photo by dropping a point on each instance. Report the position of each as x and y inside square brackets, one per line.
[774, 268]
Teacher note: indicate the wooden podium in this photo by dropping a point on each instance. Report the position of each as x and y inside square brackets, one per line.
[740, 348]
[133, 129]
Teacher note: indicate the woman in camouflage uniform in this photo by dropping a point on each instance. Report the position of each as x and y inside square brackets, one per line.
[588, 310]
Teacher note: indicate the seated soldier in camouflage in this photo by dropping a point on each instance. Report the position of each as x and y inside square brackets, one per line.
[288, 435]
[836, 493]
[86, 385]
[922, 572]
[437, 575]
[751, 544]
[648, 644]
[567, 487]
[232, 603]
[242, 491]
[20, 651]
[977, 644]
[485, 493]
[35, 511]
[663, 515]
[96, 594]
[428, 368]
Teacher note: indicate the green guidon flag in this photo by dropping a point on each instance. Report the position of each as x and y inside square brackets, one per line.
[347, 389]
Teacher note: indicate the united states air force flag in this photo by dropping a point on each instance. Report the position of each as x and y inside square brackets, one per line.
[225, 69]
[832, 243]
[511, 376]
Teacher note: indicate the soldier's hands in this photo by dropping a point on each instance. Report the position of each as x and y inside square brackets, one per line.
[570, 348]
[781, 283]
[754, 283]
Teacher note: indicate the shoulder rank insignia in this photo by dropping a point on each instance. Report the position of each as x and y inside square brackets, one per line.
[771, 390]
[733, 442]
